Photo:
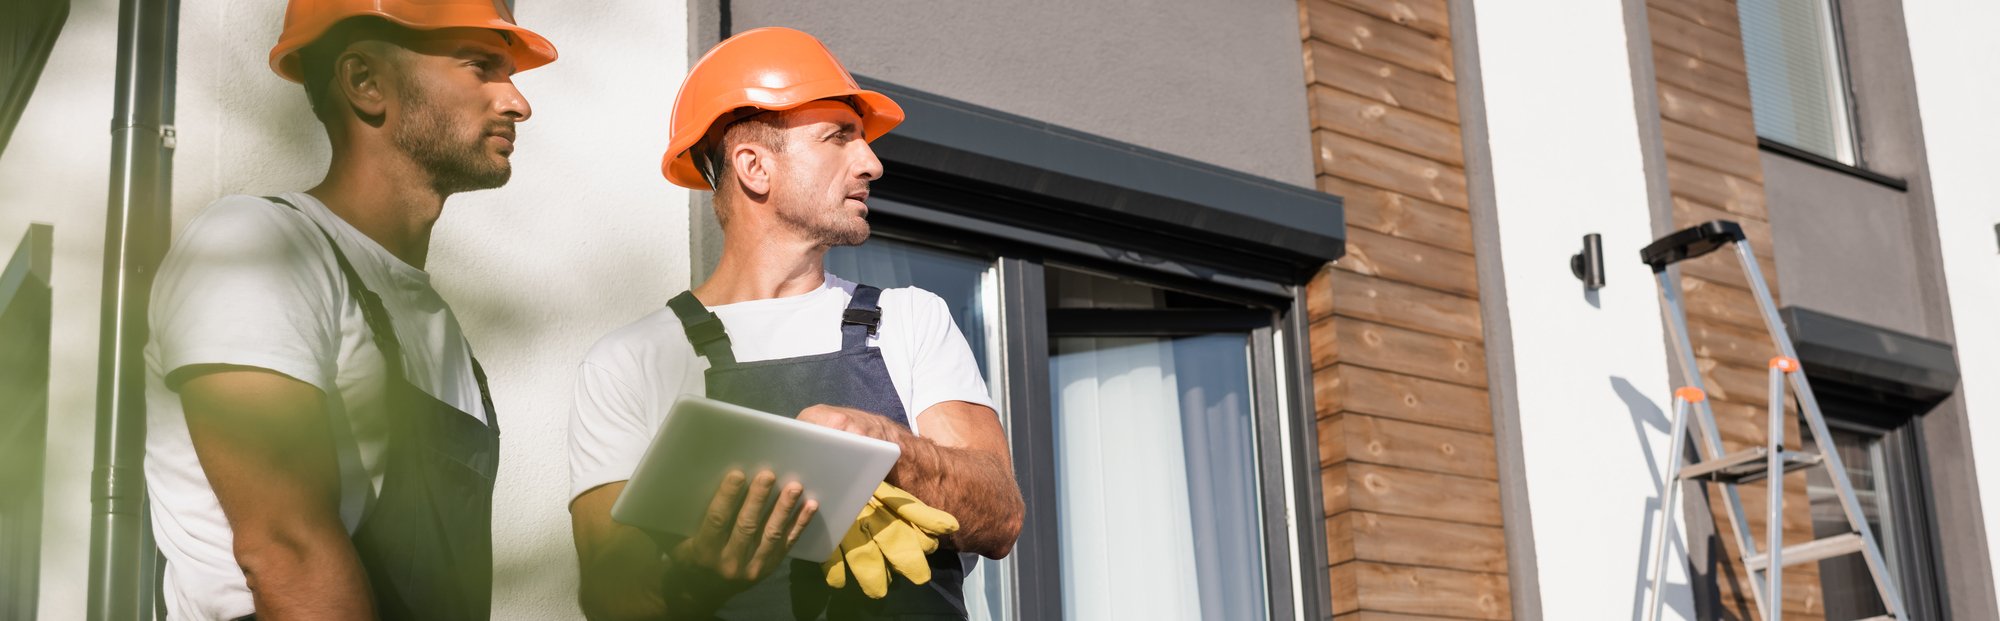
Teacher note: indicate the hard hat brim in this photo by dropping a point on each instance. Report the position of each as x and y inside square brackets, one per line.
[879, 115]
[529, 50]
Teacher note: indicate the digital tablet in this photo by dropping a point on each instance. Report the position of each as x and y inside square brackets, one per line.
[703, 439]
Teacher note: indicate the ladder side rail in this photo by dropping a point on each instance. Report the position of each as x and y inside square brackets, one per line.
[1670, 487]
[1774, 506]
[1809, 406]
[1711, 445]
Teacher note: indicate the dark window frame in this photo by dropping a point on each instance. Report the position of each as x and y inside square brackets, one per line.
[1850, 104]
[1030, 194]
[1907, 475]
[1022, 260]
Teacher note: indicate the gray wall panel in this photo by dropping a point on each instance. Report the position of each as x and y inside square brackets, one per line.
[1845, 246]
[1220, 82]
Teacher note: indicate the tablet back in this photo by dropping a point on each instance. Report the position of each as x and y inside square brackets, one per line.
[703, 439]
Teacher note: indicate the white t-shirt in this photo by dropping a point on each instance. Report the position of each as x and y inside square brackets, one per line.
[633, 375]
[253, 283]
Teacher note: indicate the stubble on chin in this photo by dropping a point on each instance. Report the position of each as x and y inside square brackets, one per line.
[455, 164]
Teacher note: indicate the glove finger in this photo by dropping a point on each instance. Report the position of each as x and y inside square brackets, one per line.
[886, 522]
[931, 519]
[904, 548]
[869, 569]
[906, 506]
[835, 570]
[887, 492]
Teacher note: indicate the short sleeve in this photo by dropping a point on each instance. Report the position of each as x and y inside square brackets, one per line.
[609, 430]
[942, 366]
[248, 283]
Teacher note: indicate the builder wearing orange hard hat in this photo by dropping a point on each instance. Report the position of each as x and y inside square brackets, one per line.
[773, 124]
[320, 444]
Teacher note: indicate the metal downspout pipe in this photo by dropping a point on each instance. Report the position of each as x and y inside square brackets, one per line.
[136, 231]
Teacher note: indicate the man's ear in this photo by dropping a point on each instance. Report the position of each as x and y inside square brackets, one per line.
[358, 79]
[751, 162]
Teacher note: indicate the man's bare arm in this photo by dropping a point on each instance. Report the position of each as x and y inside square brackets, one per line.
[960, 465]
[620, 566]
[264, 444]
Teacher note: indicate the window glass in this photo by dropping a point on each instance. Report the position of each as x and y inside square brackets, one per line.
[1844, 580]
[1158, 505]
[1798, 90]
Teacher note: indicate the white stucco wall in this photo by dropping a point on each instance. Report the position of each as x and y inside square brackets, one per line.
[586, 237]
[1590, 369]
[1953, 53]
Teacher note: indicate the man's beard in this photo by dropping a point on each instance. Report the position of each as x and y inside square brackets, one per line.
[828, 227]
[455, 166]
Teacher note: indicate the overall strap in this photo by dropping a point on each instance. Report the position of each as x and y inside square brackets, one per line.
[372, 311]
[485, 395]
[704, 329]
[862, 317]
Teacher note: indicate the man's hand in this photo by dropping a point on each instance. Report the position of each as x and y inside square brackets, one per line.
[744, 537]
[960, 465]
[265, 445]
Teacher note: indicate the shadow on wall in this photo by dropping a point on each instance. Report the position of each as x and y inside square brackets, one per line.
[1647, 419]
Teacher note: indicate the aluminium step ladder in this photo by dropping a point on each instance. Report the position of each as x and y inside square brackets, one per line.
[1730, 470]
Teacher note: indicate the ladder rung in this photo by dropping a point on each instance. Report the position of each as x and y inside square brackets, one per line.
[1819, 549]
[1746, 465]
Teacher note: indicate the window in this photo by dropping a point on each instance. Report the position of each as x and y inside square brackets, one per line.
[1881, 453]
[1155, 453]
[1145, 417]
[1798, 86]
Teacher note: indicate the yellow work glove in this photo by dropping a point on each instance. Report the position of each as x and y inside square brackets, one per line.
[894, 531]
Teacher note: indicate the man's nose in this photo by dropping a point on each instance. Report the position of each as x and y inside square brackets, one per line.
[871, 166]
[512, 104]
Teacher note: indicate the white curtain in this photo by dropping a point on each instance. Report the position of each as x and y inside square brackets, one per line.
[1127, 540]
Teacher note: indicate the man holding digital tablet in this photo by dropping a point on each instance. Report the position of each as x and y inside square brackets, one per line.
[771, 122]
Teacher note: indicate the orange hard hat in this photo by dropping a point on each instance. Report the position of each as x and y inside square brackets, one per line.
[766, 69]
[308, 20]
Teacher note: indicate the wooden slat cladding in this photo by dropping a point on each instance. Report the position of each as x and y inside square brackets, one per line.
[1399, 540]
[1718, 15]
[1379, 38]
[1382, 300]
[1398, 592]
[1406, 427]
[1732, 155]
[1382, 123]
[1390, 442]
[1349, 388]
[1714, 171]
[1683, 35]
[1700, 76]
[1411, 493]
[1704, 112]
[1374, 254]
[1381, 80]
[1426, 16]
[1390, 168]
[1396, 350]
[1401, 215]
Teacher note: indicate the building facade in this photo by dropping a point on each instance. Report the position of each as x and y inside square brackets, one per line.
[1275, 295]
